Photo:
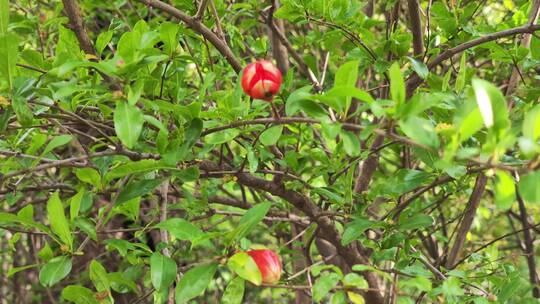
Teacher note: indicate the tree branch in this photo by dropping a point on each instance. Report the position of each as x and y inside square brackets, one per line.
[201, 9]
[200, 28]
[289, 120]
[416, 27]
[368, 166]
[71, 7]
[529, 246]
[466, 222]
[302, 66]
[304, 204]
[414, 81]
[279, 51]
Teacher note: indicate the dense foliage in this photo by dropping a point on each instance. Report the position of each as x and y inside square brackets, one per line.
[397, 164]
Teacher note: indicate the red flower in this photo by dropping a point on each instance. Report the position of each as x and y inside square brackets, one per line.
[268, 263]
[261, 80]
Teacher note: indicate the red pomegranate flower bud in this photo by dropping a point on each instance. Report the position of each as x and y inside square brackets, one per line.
[268, 263]
[261, 80]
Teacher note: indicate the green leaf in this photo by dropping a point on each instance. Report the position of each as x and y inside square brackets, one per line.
[162, 271]
[339, 297]
[134, 94]
[22, 110]
[416, 222]
[46, 252]
[452, 287]
[89, 176]
[187, 175]
[75, 204]
[180, 229]
[193, 132]
[9, 51]
[167, 33]
[400, 43]
[128, 122]
[4, 16]
[234, 292]
[141, 166]
[491, 103]
[7, 218]
[79, 295]
[338, 97]
[271, 135]
[351, 144]
[26, 213]
[324, 285]
[484, 101]
[98, 276]
[529, 187]
[15, 270]
[346, 75]
[355, 280]
[56, 142]
[86, 226]
[444, 18]
[58, 220]
[55, 270]
[419, 67]
[71, 65]
[355, 229]
[249, 220]
[245, 267]
[511, 286]
[312, 109]
[535, 48]
[292, 103]
[128, 46]
[469, 120]
[102, 40]
[420, 130]
[462, 74]
[397, 84]
[419, 282]
[194, 282]
[505, 190]
[222, 136]
[531, 124]
[136, 189]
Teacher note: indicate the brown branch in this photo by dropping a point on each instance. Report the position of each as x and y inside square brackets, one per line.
[302, 65]
[29, 67]
[201, 9]
[219, 29]
[71, 7]
[279, 51]
[529, 245]
[466, 222]
[414, 81]
[76, 23]
[304, 204]
[289, 120]
[200, 28]
[74, 162]
[347, 288]
[369, 166]
[416, 27]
